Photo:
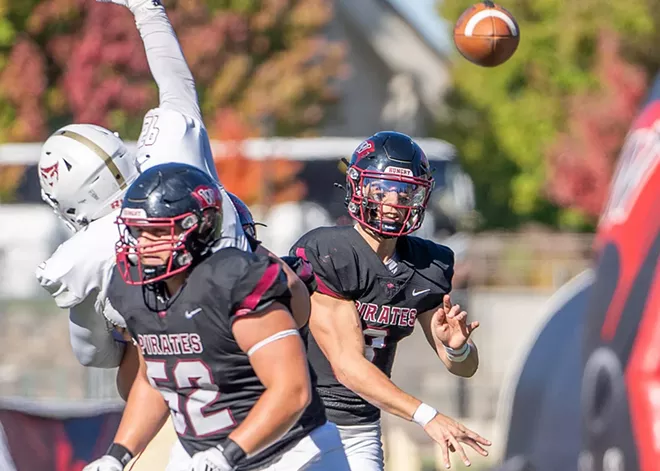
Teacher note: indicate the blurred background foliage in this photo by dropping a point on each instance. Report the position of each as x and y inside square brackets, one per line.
[556, 112]
[539, 135]
[262, 64]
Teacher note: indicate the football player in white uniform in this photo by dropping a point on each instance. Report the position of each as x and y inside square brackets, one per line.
[84, 171]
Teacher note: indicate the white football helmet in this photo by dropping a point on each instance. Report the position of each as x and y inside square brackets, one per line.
[84, 171]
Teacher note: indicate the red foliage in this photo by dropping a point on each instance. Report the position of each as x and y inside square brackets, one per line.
[96, 63]
[99, 62]
[23, 84]
[582, 161]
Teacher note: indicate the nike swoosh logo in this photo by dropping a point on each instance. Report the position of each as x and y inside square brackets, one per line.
[417, 293]
[191, 314]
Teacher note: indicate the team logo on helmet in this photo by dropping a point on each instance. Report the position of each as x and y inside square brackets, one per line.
[206, 196]
[365, 148]
[50, 174]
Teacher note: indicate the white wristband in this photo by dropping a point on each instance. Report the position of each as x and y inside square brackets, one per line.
[424, 414]
[457, 356]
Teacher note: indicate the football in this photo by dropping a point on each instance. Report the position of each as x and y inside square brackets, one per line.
[486, 34]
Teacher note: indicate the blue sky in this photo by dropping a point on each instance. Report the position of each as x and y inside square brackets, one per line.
[424, 15]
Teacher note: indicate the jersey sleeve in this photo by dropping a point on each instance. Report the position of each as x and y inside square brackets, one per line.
[335, 264]
[66, 279]
[437, 260]
[176, 85]
[302, 269]
[51, 281]
[443, 261]
[258, 281]
[81, 266]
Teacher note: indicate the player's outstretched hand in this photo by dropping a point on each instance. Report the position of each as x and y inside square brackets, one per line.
[132, 4]
[118, 2]
[450, 435]
[450, 325]
[104, 463]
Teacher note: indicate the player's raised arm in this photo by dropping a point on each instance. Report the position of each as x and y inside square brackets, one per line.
[176, 85]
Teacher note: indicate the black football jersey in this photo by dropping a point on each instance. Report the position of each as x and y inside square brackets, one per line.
[346, 267]
[192, 357]
[303, 269]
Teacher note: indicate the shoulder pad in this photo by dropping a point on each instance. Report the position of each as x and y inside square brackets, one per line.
[441, 258]
[333, 259]
[251, 282]
[440, 254]
[303, 270]
[170, 136]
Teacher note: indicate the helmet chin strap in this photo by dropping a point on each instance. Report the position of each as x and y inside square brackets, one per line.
[374, 233]
[389, 227]
[56, 209]
[154, 271]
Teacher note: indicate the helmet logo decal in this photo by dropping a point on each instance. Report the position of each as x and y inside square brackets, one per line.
[399, 171]
[50, 174]
[206, 196]
[365, 148]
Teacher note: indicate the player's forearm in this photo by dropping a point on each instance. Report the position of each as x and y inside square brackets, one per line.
[365, 379]
[167, 63]
[466, 368]
[128, 371]
[276, 411]
[143, 417]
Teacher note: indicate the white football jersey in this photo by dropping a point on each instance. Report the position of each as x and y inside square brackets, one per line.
[82, 266]
[80, 270]
[171, 136]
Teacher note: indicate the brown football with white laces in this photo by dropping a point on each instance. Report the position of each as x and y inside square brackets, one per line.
[486, 34]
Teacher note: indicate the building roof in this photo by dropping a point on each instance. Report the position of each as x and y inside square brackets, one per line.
[404, 43]
[424, 17]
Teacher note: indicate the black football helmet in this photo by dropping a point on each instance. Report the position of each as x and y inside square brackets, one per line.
[173, 197]
[244, 216]
[388, 184]
[246, 220]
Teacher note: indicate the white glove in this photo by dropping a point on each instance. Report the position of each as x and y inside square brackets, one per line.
[134, 5]
[210, 460]
[104, 463]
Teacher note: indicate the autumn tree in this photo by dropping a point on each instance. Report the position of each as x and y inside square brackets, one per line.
[503, 120]
[269, 181]
[81, 61]
[581, 163]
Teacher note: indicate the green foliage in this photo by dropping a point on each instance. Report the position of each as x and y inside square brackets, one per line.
[503, 119]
